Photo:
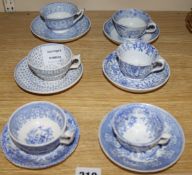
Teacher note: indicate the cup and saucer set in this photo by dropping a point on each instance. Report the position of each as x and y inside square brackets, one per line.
[60, 22]
[38, 135]
[48, 68]
[130, 24]
[137, 67]
[141, 137]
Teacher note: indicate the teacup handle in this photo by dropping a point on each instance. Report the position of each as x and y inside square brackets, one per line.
[156, 68]
[79, 14]
[67, 137]
[76, 61]
[151, 27]
[164, 139]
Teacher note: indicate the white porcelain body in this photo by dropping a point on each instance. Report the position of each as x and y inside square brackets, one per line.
[133, 23]
[39, 127]
[54, 69]
[139, 129]
[61, 15]
[138, 59]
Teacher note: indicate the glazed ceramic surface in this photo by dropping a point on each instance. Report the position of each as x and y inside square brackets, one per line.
[80, 28]
[139, 59]
[49, 61]
[60, 15]
[25, 78]
[111, 33]
[23, 159]
[114, 75]
[38, 127]
[132, 23]
[137, 128]
[156, 159]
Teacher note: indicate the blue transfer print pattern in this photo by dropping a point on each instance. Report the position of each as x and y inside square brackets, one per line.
[39, 135]
[156, 159]
[23, 159]
[153, 81]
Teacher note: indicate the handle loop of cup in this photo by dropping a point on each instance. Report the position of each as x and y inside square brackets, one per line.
[76, 61]
[79, 14]
[158, 65]
[151, 27]
[67, 137]
[164, 139]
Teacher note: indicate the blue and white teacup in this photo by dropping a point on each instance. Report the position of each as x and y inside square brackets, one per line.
[138, 59]
[52, 61]
[133, 23]
[139, 129]
[59, 16]
[39, 127]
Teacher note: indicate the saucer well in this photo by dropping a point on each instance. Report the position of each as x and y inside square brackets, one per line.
[111, 33]
[151, 82]
[25, 160]
[31, 83]
[39, 28]
[156, 159]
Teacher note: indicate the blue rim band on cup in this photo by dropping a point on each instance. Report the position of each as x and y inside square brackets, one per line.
[138, 23]
[61, 15]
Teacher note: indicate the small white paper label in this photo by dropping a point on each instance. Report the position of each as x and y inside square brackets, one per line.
[87, 171]
[53, 55]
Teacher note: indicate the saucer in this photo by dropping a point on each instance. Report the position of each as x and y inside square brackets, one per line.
[111, 33]
[156, 159]
[151, 82]
[31, 83]
[25, 160]
[39, 28]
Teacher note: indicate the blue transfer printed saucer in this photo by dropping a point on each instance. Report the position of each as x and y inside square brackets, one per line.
[112, 71]
[31, 83]
[111, 33]
[156, 159]
[39, 28]
[25, 160]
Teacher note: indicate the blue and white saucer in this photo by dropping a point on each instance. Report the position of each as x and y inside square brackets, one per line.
[25, 160]
[39, 28]
[31, 83]
[156, 159]
[111, 33]
[114, 75]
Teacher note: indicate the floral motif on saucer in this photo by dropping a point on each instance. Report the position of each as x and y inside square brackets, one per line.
[25, 160]
[156, 159]
[111, 33]
[31, 83]
[39, 29]
[153, 81]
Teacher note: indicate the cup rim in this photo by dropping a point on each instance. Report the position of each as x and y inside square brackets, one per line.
[128, 9]
[154, 58]
[137, 144]
[42, 144]
[45, 6]
[48, 44]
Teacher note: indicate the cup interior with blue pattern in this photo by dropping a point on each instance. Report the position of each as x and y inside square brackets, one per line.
[59, 16]
[133, 23]
[52, 61]
[138, 59]
[39, 127]
[138, 128]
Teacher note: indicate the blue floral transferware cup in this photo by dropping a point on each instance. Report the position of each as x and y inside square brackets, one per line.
[138, 59]
[138, 128]
[133, 23]
[61, 15]
[39, 127]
